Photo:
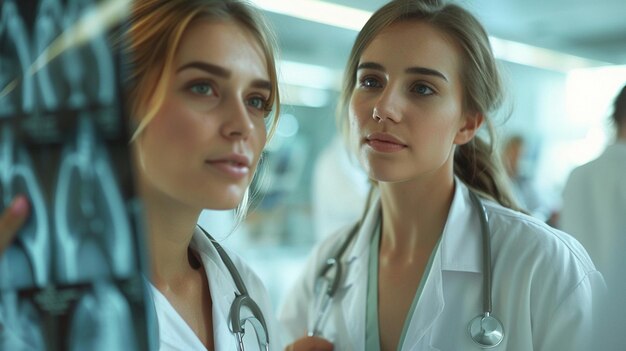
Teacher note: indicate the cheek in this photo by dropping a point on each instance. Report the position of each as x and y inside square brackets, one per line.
[355, 123]
[175, 130]
[444, 119]
[258, 139]
[360, 111]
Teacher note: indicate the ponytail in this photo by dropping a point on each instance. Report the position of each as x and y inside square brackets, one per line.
[476, 164]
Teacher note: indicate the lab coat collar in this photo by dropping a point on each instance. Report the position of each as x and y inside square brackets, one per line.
[355, 264]
[459, 250]
[221, 286]
[461, 241]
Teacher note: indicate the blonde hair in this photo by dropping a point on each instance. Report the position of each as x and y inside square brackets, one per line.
[475, 163]
[150, 43]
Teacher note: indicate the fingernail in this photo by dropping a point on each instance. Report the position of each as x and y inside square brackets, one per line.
[19, 207]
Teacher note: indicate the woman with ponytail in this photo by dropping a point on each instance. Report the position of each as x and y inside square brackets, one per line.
[420, 82]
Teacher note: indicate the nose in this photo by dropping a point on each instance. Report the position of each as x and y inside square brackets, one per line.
[377, 116]
[387, 107]
[238, 122]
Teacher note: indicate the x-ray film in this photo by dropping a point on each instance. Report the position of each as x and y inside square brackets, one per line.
[73, 279]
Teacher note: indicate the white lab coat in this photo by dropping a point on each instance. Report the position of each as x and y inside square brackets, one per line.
[544, 286]
[594, 209]
[176, 335]
[594, 212]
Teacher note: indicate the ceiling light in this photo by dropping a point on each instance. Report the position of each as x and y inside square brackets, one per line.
[318, 11]
[307, 75]
[354, 19]
[539, 57]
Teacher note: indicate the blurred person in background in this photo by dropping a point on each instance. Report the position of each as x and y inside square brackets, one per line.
[524, 188]
[594, 211]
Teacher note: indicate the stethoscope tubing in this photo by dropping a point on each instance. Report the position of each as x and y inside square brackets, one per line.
[484, 224]
[242, 300]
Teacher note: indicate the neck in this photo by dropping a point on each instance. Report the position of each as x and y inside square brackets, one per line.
[414, 214]
[170, 227]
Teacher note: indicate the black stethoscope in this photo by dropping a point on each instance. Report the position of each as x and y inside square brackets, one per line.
[484, 329]
[242, 301]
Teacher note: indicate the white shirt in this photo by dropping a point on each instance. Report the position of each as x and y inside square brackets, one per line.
[594, 211]
[175, 333]
[544, 286]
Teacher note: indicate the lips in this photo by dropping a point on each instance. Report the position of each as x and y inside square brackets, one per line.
[232, 165]
[384, 142]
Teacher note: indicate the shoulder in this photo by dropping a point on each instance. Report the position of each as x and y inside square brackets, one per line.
[583, 171]
[534, 240]
[611, 160]
[547, 264]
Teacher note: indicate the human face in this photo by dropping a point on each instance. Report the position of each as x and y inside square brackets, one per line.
[202, 147]
[406, 110]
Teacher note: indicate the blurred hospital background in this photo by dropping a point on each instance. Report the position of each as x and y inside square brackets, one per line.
[563, 62]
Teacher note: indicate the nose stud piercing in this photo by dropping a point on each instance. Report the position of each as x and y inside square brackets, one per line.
[377, 116]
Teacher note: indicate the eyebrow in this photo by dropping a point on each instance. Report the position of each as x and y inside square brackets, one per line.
[207, 67]
[222, 72]
[413, 70]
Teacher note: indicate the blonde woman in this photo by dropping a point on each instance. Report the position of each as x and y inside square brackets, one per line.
[202, 90]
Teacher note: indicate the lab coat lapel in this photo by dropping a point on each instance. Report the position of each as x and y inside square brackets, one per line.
[459, 250]
[223, 294]
[355, 263]
[222, 289]
[461, 240]
[428, 308]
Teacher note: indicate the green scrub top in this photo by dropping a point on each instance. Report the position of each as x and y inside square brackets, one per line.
[372, 336]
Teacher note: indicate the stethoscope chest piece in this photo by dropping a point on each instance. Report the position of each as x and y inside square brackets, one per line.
[486, 331]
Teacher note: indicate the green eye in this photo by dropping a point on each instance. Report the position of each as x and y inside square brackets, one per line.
[257, 103]
[422, 89]
[202, 89]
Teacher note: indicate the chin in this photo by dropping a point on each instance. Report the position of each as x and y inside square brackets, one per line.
[381, 171]
[384, 178]
[227, 200]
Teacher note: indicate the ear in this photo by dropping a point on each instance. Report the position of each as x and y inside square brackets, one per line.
[470, 123]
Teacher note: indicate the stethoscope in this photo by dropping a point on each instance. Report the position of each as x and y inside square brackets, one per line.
[242, 301]
[484, 329]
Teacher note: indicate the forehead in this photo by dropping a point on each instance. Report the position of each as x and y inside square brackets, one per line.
[414, 43]
[224, 42]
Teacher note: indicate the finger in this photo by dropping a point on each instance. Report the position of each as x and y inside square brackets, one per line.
[310, 344]
[12, 220]
[320, 344]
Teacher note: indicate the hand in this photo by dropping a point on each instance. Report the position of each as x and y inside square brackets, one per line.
[12, 219]
[310, 343]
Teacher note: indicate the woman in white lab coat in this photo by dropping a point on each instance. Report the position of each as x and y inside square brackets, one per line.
[201, 89]
[420, 82]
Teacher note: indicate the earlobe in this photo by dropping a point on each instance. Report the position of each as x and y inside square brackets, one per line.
[470, 125]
